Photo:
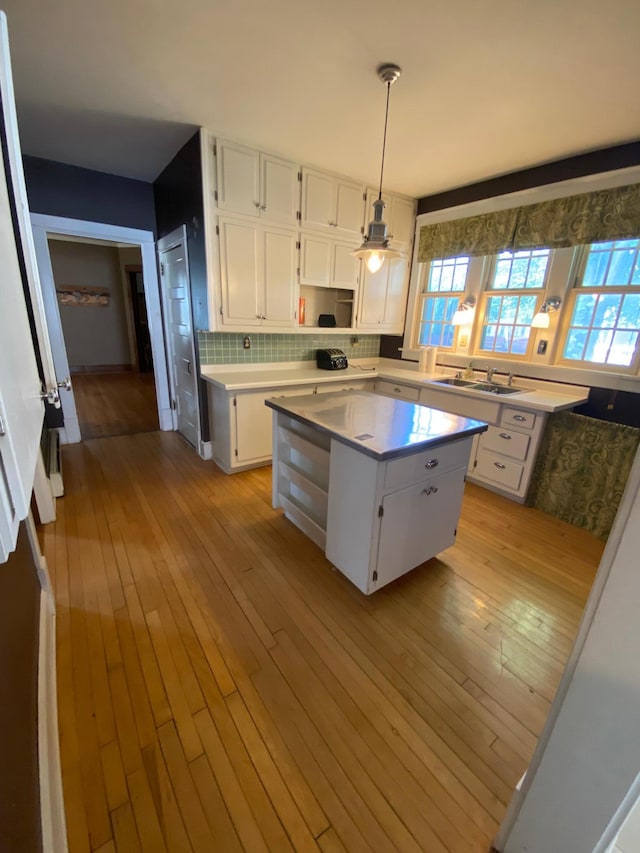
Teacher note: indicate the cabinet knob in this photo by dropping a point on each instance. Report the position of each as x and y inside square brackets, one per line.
[432, 463]
[519, 418]
[430, 491]
[257, 204]
[505, 435]
[263, 208]
[500, 465]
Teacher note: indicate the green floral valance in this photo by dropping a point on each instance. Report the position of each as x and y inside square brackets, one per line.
[612, 214]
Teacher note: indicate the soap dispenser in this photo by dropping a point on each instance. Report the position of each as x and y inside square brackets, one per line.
[468, 373]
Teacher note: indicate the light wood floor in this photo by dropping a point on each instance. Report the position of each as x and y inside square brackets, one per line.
[115, 403]
[222, 689]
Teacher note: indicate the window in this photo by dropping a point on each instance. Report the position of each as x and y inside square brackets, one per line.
[514, 292]
[443, 292]
[605, 309]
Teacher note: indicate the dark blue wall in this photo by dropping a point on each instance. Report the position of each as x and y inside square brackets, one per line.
[57, 189]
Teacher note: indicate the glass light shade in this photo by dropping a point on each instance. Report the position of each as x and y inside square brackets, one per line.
[374, 261]
[463, 317]
[540, 320]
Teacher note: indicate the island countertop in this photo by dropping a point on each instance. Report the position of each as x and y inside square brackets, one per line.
[380, 427]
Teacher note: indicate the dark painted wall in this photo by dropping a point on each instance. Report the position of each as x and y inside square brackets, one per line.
[593, 163]
[179, 201]
[19, 784]
[57, 189]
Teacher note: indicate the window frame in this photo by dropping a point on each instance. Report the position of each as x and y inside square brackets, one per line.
[424, 294]
[574, 288]
[487, 291]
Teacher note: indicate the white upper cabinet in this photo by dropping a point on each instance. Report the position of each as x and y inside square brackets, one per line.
[256, 184]
[258, 274]
[383, 297]
[400, 216]
[332, 203]
[328, 263]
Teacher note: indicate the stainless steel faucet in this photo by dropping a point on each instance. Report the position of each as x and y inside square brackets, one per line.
[490, 372]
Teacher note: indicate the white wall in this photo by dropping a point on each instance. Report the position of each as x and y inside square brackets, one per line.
[592, 755]
[94, 335]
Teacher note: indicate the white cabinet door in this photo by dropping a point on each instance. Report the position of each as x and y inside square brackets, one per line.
[428, 514]
[238, 170]
[318, 199]
[330, 202]
[280, 190]
[253, 428]
[315, 260]
[279, 262]
[350, 199]
[239, 273]
[383, 297]
[345, 268]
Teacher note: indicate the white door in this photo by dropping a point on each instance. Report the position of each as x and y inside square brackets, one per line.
[315, 260]
[345, 267]
[318, 199]
[350, 215]
[174, 271]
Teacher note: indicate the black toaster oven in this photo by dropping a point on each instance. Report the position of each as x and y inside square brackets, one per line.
[331, 359]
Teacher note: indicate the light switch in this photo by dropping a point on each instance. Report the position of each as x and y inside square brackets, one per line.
[542, 347]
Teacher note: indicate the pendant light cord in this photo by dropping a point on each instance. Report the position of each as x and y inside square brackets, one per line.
[384, 138]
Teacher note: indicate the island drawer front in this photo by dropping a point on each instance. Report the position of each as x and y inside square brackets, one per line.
[517, 418]
[393, 389]
[506, 442]
[501, 471]
[412, 469]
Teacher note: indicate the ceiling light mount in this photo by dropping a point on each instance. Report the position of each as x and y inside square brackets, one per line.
[375, 245]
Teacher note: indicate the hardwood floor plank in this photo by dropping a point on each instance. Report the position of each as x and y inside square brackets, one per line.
[222, 688]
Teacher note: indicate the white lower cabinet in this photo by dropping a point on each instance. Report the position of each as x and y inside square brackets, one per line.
[397, 389]
[375, 520]
[241, 424]
[503, 458]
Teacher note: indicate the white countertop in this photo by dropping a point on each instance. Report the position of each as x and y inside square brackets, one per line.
[378, 426]
[536, 395]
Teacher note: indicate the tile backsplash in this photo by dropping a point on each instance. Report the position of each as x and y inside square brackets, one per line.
[225, 348]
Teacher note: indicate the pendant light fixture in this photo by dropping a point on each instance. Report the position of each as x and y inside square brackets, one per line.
[375, 246]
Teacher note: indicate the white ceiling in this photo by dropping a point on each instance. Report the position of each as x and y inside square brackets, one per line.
[487, 87]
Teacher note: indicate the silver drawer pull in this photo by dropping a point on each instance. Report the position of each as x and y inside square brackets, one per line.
[430, 490]
[505, 435]
[398, 390]
[519, 418]
[500, 465]
[432, 463]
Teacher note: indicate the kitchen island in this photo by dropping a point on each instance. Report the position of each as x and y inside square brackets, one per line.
[376, 482]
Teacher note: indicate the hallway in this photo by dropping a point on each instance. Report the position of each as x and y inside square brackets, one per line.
[115, 403]
[220, 688]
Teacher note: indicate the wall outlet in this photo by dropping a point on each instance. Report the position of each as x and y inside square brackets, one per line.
[246, 342]
[542, 347]
[355, 341]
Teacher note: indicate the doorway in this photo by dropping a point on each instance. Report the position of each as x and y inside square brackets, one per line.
[112, 378]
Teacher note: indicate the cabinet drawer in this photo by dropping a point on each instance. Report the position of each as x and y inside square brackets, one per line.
[506, 442]
[517, 418]
[428, 463]
[499, 470]
[393, 389]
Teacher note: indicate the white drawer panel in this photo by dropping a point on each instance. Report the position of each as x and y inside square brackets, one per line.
[505, 441]
[467, 405]
[393, 389]
[517, 418]
[429, 463]
[499, 470]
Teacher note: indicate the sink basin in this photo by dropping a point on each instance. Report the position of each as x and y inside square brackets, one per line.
[459, 383]
[494, 388]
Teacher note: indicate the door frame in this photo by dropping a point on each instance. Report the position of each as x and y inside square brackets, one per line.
[44, 224]
[175, 238]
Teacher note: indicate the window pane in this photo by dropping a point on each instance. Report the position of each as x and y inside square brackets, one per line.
[598, 345]
[623, 348]
[427, 310]
[607, 310]
[595, 269]
[447, 275]
[439, 308]
[520, 270]
[503, 338]
[583, 311]
[520, 340]
[574, 346]
[526, 310]
[488, 337]
[630, 313]
[621, 267]
[447, 336]
[493, 308]
[435, 328]
[509, 308]
[436, 335]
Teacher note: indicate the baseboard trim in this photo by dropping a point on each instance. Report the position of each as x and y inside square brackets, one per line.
[206, 450]
[54, 830]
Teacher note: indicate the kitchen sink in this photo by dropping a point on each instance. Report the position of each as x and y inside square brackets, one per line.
[495, 388]
[459, 383]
